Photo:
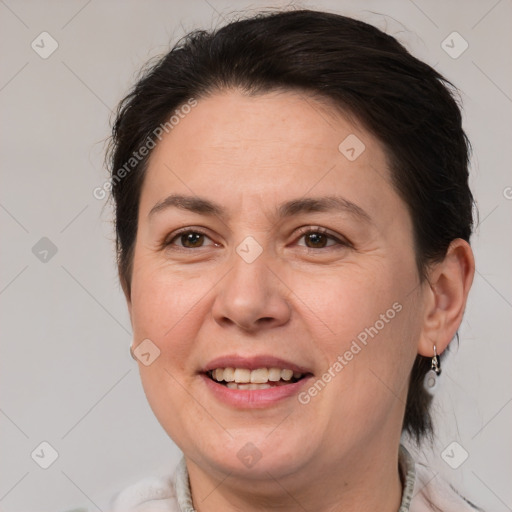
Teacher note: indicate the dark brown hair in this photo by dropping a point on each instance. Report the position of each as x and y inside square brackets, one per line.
[366, 73]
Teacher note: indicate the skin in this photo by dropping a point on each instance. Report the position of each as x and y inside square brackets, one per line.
[299, 301]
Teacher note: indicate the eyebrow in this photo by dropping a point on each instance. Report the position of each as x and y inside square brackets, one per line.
[290, 208]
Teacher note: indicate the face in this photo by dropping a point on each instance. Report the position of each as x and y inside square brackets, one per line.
[299, 257]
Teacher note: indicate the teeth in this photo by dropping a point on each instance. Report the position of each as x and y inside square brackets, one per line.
[234, 385]
[286, 374]
[274, 374]
[259, 386]
[241, 374]
[229, 374]
[260, 376]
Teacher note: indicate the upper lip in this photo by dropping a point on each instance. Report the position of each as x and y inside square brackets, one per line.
[253, 363]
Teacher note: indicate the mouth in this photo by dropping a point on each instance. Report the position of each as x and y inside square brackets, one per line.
[253, 381]
[256, 379]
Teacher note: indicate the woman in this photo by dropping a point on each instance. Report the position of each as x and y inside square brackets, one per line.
[293, 216]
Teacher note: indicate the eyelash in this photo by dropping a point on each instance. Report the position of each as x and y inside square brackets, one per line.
[343, 243]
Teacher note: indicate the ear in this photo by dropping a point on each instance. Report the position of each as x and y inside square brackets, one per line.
[448, 286]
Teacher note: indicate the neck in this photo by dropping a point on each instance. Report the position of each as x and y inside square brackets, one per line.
[361, 481]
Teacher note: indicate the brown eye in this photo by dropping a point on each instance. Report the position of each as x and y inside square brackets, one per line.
[192, 239]
[317, 240]
[189, 239]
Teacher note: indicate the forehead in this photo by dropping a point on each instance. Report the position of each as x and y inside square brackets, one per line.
[266, 147]
[234, 123]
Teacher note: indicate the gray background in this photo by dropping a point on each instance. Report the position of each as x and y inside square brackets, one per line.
[66, 376]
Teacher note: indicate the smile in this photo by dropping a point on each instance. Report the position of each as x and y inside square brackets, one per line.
[260, 378]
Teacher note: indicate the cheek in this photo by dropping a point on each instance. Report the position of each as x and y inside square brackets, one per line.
[166, 310]
[365, 327]
[342, 303]
[164, 303]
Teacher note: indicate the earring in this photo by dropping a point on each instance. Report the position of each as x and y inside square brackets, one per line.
[132, 354]
[436, 363]
[431, 378]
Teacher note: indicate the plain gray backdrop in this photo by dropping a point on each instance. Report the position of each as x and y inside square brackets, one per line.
[66, 375]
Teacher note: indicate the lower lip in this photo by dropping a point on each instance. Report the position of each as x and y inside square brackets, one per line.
[253, 398]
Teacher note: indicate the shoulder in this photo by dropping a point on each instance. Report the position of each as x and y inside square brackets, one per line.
[432, 493]
[150, 494]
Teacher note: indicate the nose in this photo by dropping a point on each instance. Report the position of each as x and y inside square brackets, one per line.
[251, 296]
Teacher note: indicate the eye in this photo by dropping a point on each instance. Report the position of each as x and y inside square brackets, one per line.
[189, 239]
[319, 238]
[314, 238]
